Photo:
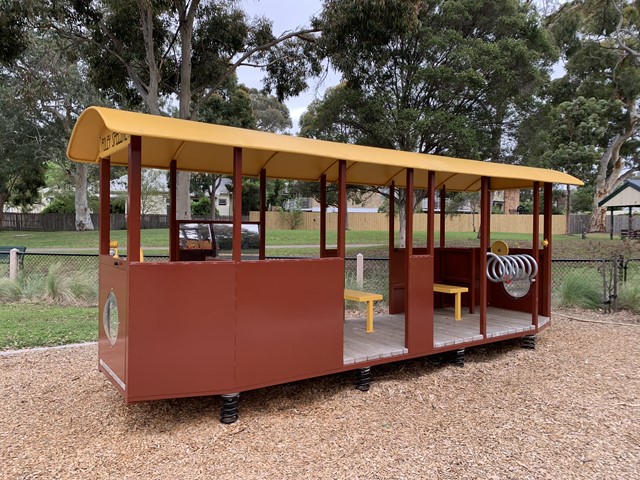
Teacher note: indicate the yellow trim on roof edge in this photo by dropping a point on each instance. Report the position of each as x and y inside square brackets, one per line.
[101, 132]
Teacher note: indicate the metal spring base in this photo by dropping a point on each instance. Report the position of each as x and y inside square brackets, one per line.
[458, 357]
[363, 379]
[229, 410]
[529, 341]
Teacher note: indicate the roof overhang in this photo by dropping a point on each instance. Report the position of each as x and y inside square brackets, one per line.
[626, 195]
[202, 147]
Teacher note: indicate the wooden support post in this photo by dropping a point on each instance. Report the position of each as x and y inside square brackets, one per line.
[323, 216]
[431, 195]
[548, 254]
[443, 200]
[392, 217]
[105, 205]
[342, 208]
[173, 223]
[408, 208]
[237, 204]
[484, 246]
[408, 253]
[263, 214]
[134, 200]
[392, 227]
[535, 251]
[611, 217]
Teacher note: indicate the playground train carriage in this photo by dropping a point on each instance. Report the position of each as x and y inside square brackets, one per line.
[205, 325]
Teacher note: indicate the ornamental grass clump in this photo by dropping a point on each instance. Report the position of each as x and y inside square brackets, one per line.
[629, 297]
[577, 290]
[10, 291]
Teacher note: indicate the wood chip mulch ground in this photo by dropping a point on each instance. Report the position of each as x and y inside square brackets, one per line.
[569, 409]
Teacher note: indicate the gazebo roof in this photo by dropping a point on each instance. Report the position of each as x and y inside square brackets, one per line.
[201, 147]
[626, 195]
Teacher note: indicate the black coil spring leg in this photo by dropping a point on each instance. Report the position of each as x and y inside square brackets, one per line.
[529, 341]
[363, 379]
[458, 358]
[229, 410]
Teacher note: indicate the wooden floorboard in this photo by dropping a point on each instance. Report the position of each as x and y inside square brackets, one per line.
[388, 339]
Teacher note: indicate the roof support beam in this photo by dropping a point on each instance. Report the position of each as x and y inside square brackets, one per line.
[133, 209]
[443, 202]
[105, 207]
[394, 176]
[535, 246]
[548, 236]
[323, 215]
[342, 208]
[431, 195]
[173, 224]
[237, 204]
[484, 246]
[263, 214]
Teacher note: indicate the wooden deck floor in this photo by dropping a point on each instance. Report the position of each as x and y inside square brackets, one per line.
[448, 331]
[388, 338]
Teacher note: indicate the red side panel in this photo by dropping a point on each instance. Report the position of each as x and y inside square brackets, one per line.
[459, 266]
[181, 329]
[290, 319]
[419, 319]
[112, 358]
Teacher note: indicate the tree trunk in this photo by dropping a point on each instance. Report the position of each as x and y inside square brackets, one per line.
[186, 13]
[610, 169]
[598, 219]
[83, 214]
[2, 200]
[183, 200]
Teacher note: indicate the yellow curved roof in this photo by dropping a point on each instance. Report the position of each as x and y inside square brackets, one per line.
[203, 147]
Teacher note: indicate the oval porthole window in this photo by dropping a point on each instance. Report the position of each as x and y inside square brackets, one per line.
[110, 318]
[517, 288]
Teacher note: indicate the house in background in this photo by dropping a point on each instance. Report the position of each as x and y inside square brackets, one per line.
[154, 194]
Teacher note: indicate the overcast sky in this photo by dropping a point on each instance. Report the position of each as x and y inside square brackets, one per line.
[286, 15]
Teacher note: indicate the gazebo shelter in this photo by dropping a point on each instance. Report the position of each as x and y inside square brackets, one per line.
[626, 195]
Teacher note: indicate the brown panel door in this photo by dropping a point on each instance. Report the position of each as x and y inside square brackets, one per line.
[181, 329]
[290, 319]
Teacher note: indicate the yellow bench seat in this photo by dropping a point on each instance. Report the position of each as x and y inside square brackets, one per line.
[454, 290]
[358, 296]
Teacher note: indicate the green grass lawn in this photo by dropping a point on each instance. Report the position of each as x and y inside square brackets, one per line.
[279, 242]
[34, 325]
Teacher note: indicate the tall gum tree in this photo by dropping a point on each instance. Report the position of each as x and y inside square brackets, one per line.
[429, 76]
[147, 53]
[601, 45]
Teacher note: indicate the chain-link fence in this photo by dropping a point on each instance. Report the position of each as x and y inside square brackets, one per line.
[606, 275]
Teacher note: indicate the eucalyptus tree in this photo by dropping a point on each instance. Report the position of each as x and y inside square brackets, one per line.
[595, 122]
[54, 87]
[429, 76]
[21, 172]
[147, 54]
